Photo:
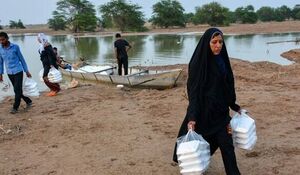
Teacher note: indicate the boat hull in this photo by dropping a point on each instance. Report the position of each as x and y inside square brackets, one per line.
[145, 79]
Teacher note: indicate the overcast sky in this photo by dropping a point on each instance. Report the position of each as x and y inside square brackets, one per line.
[39, 11]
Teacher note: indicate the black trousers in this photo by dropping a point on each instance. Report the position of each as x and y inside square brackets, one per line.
[223, 140]
[17, 82]
[123, 61]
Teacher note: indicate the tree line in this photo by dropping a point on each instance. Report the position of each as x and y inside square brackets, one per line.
[14, 25]
[80, 15]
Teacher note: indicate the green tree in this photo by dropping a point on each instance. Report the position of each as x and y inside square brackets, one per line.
[58, 22]
[16, 25]
[119, 14]
[80, 15]
[1, 26]
[168, 13]
[266, 14]
[297, 16]
[20, 25]
[188, 17]
[230, 17]
[213, 14]
[284, 12]
[246, 14]
[12, 24]
[296, 13]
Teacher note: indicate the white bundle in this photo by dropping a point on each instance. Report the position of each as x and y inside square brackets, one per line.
[193, 154]
[30, 88]
[4, 86]
[243, 131]
[54, 75]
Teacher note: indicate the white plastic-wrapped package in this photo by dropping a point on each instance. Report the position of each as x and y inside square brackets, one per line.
[4, 86]
[196, 168]
[30, 88]
[241, 123]
[194, 156]
[243, 131]
[199, 164]
[54, 75]
[41, 74]
[191, 147]
[193, 153]
[245, 135]
[249, 144]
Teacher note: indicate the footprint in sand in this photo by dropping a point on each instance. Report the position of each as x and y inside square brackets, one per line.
[252, 154]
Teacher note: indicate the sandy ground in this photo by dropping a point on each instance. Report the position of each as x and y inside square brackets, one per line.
[99, 129]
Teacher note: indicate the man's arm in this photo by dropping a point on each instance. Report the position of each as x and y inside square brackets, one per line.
[1, 65]
[116, 53]
[128, 47]
[1, 68]
[22, 60]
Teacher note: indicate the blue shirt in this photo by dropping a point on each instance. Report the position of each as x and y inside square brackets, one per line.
[13, 60]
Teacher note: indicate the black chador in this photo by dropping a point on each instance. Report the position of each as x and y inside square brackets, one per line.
[211, 92]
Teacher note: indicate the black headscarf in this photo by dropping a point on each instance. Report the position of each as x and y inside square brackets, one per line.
[197, 72]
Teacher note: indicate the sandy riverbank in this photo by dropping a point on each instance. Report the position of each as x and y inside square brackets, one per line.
[99, 129]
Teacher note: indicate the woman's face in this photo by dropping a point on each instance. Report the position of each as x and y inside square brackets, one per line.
[216, 44]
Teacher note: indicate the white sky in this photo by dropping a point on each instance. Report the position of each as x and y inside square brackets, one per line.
[39, 11]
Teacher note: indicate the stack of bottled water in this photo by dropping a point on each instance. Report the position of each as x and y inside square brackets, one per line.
[193, 154]
[244, 131]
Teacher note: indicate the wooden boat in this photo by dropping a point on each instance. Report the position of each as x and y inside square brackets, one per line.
[137, 77]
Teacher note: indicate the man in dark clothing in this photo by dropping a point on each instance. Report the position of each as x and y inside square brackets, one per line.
[121, 49]
[15, 64]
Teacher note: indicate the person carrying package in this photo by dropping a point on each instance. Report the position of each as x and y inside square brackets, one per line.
[211, 93]
[15, 64]
[48, 59]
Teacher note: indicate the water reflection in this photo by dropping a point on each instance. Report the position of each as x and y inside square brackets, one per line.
[168, 44]
[241, 39]
[58, 39]
[18, 38]
[138, 46]
[161, 49]
[87, 48]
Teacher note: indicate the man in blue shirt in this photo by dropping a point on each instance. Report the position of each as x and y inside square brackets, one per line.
[15, 64]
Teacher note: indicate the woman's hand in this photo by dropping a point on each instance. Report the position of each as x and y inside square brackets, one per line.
[229, 129]
[45, 79]
[191, 125]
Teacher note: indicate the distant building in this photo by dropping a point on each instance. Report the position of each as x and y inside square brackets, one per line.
[297, 6]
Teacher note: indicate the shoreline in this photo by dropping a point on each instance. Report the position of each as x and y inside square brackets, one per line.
[233, 29]
[292, 55]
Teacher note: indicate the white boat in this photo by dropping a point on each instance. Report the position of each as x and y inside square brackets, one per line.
[137, 77]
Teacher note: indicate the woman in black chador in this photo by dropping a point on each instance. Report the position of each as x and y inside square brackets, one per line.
[211, 92]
